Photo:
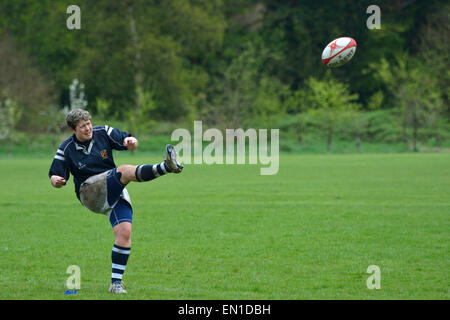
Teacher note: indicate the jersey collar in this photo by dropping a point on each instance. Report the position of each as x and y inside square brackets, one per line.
[81, 147]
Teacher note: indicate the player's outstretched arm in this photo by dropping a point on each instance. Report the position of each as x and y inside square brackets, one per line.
[131, 143]
[57, 181]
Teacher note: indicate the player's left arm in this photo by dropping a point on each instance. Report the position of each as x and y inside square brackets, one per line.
[131, 143]
[120, 140]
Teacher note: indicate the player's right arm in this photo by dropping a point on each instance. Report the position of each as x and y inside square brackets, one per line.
[57, 181]
[59, 170]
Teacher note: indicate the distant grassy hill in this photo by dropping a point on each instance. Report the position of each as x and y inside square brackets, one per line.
[46, 145]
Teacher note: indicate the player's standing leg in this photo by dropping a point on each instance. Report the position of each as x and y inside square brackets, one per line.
[121, 220]
[121, 216]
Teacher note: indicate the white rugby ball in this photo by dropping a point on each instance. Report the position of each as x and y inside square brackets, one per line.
[338, 52]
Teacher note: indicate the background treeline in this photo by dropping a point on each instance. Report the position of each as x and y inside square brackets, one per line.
[155, 65]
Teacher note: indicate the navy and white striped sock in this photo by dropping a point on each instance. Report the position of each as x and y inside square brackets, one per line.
[119, 258]
[149, 172]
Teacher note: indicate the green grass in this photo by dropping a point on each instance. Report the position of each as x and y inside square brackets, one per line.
[226, 232]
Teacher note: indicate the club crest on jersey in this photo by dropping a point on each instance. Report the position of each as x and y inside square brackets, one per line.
[104, 154]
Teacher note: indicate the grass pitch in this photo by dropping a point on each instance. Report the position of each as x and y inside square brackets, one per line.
[226, 232]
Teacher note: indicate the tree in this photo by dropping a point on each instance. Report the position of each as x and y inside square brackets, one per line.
[24, 85]
[140, 118]
[414, 90]
[10, 114]
[433, 48]
[330, 102]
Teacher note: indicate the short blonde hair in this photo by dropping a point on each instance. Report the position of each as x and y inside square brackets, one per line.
[75, 115]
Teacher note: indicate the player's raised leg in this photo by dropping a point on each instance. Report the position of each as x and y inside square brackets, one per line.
[147, 172]
[127, 173]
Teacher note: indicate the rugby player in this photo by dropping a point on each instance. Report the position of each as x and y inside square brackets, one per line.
[100, 186]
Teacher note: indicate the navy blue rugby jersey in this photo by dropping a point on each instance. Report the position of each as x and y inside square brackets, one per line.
[85, 159]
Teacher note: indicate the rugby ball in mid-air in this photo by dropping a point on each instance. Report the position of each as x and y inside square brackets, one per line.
[338, 52]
